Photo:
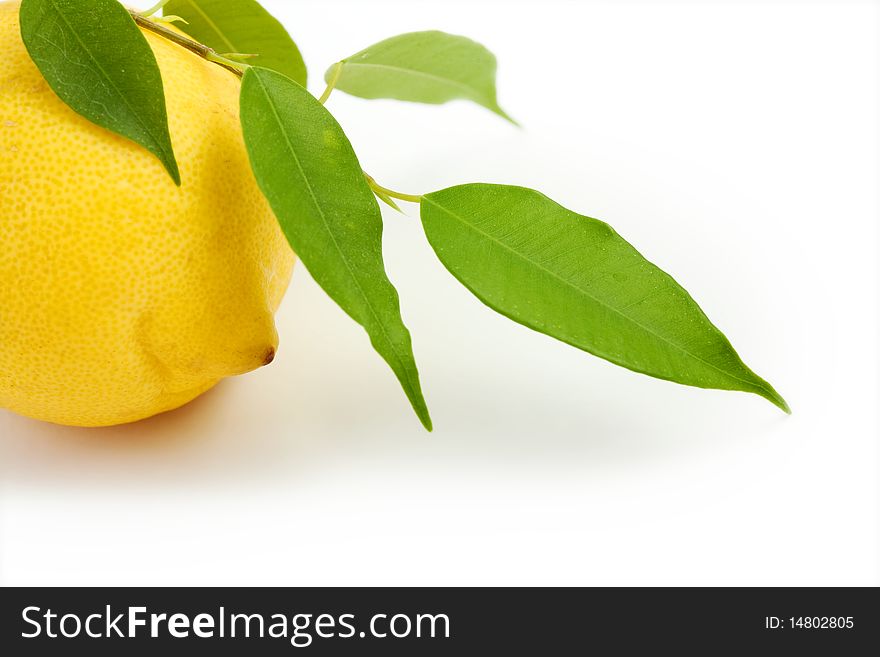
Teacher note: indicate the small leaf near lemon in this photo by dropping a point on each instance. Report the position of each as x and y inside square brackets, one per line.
[113, 83]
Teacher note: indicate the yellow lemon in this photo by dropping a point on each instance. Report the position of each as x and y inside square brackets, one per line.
[122, 295]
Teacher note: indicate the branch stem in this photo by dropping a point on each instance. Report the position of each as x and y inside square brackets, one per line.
[411, 198]
[199, 49]
[211, 55]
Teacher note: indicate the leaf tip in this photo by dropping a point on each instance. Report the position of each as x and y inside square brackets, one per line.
[782, 404]
[770, 394]
[507, 117]
[420, 406]
[172, 169]
[390, 202]
[425, 419]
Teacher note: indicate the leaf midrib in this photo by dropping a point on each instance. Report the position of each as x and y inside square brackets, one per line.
[596, 300]
[379, 322]
[212, 25]
[471, 91]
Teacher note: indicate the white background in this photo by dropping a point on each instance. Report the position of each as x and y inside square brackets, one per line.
[734, 143]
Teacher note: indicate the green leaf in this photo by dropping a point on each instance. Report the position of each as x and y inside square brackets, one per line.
[575, 279]
[97, 61]
[424, 67]
[241, 26]
[308, 171]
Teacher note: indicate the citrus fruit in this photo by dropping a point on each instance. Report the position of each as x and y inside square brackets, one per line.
[121, 294]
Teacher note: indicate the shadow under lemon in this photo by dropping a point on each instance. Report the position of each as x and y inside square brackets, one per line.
[203, 439]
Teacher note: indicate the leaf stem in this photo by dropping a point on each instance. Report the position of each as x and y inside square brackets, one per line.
[376, 187]
[237, 68]
[199, 49]
[337, 71]
[226, 62]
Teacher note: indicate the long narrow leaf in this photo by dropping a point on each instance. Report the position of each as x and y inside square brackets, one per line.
[308, 170]
[575, 279]
[97, 61]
